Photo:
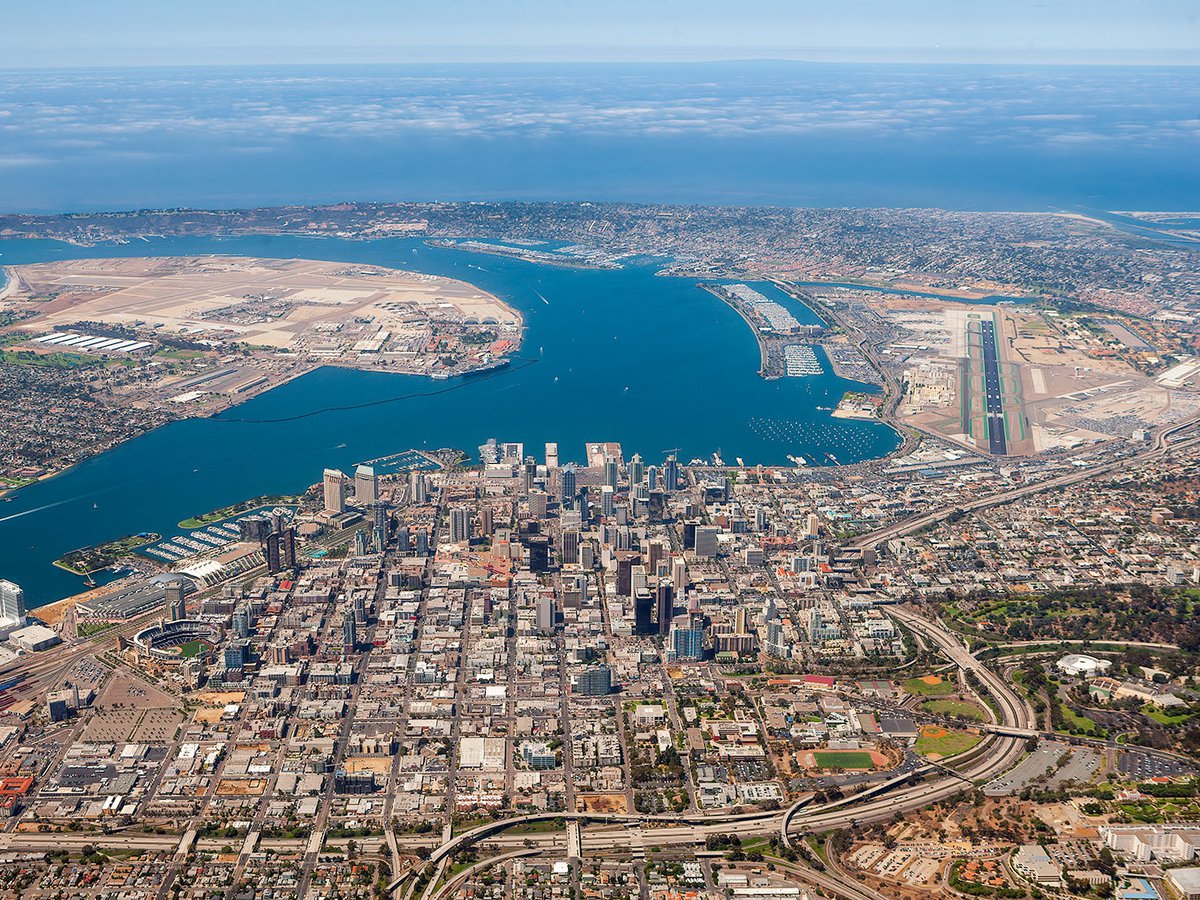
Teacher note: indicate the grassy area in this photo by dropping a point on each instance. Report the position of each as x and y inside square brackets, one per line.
[929, 686]
[180, 354]
[194, 648]
[47, 360]
[87, 629]
[1077, 724]
[944, 743]
[843, 759]
[544, 827]
[236, 509]
[1166, 717]
[92, 559]
[961, 709]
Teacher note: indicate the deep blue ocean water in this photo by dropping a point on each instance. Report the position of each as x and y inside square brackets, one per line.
[959, 137]
[651, 362]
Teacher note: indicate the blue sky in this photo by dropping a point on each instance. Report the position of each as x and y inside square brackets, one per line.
[156, 32]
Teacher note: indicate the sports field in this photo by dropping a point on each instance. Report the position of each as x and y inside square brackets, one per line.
[194, 648]
[843, 759]
[929, 686]
[936, 742]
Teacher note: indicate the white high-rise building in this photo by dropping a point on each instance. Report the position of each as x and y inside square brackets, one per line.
[12, 604]
[335, 491]
[366, 485]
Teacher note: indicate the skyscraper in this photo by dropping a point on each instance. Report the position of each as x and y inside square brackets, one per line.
[706, 540]
[335, 491]
[643, 612]
[460, 524]
[570, 547]
[679, 575]
[666, 606]
[366, 486]
[418, 488]
[610, 472]
[567, 491]
[176, 608]
[671, 473]
[636, 470]
[606, 501]
[687, 638]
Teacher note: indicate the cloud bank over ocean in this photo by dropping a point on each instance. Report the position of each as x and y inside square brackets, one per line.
[730, 132]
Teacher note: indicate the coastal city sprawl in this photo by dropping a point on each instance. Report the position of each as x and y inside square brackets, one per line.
[946, 644]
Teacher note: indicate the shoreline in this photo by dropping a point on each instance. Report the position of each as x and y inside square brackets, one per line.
[12, 283]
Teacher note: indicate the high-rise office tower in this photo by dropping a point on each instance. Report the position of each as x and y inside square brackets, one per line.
[378, 541]
[636, 470]
[610, 472]
[422, 542]
[643, 612]
[272, 550]
[287, 548]
[403, 539]
[585, 509]
[760, 519]
[539, 501]
[176, 608]
[539, 552]
[460, 524]
[606, 501]
[366, 486]
[652, 478]
[362, 544]
[380, 517]
[679, 575]
[665, 600]
[335, 491]
[570, 547]
[528, 474]
[812, 526]
[551, 455]
[567, 491]
[487, 521]
[654, 552]
[349, 633]
[545, 613]
[625, 574]
[671, 473]
[706, 540]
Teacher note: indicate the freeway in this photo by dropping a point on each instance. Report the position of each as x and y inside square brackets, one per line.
[1161, 447]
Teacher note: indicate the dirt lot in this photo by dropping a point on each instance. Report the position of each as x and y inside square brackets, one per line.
[602, 803]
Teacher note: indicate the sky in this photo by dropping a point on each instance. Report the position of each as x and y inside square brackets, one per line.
[67, 33]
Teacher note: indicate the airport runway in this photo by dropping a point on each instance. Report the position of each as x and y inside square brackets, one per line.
[993, 398]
